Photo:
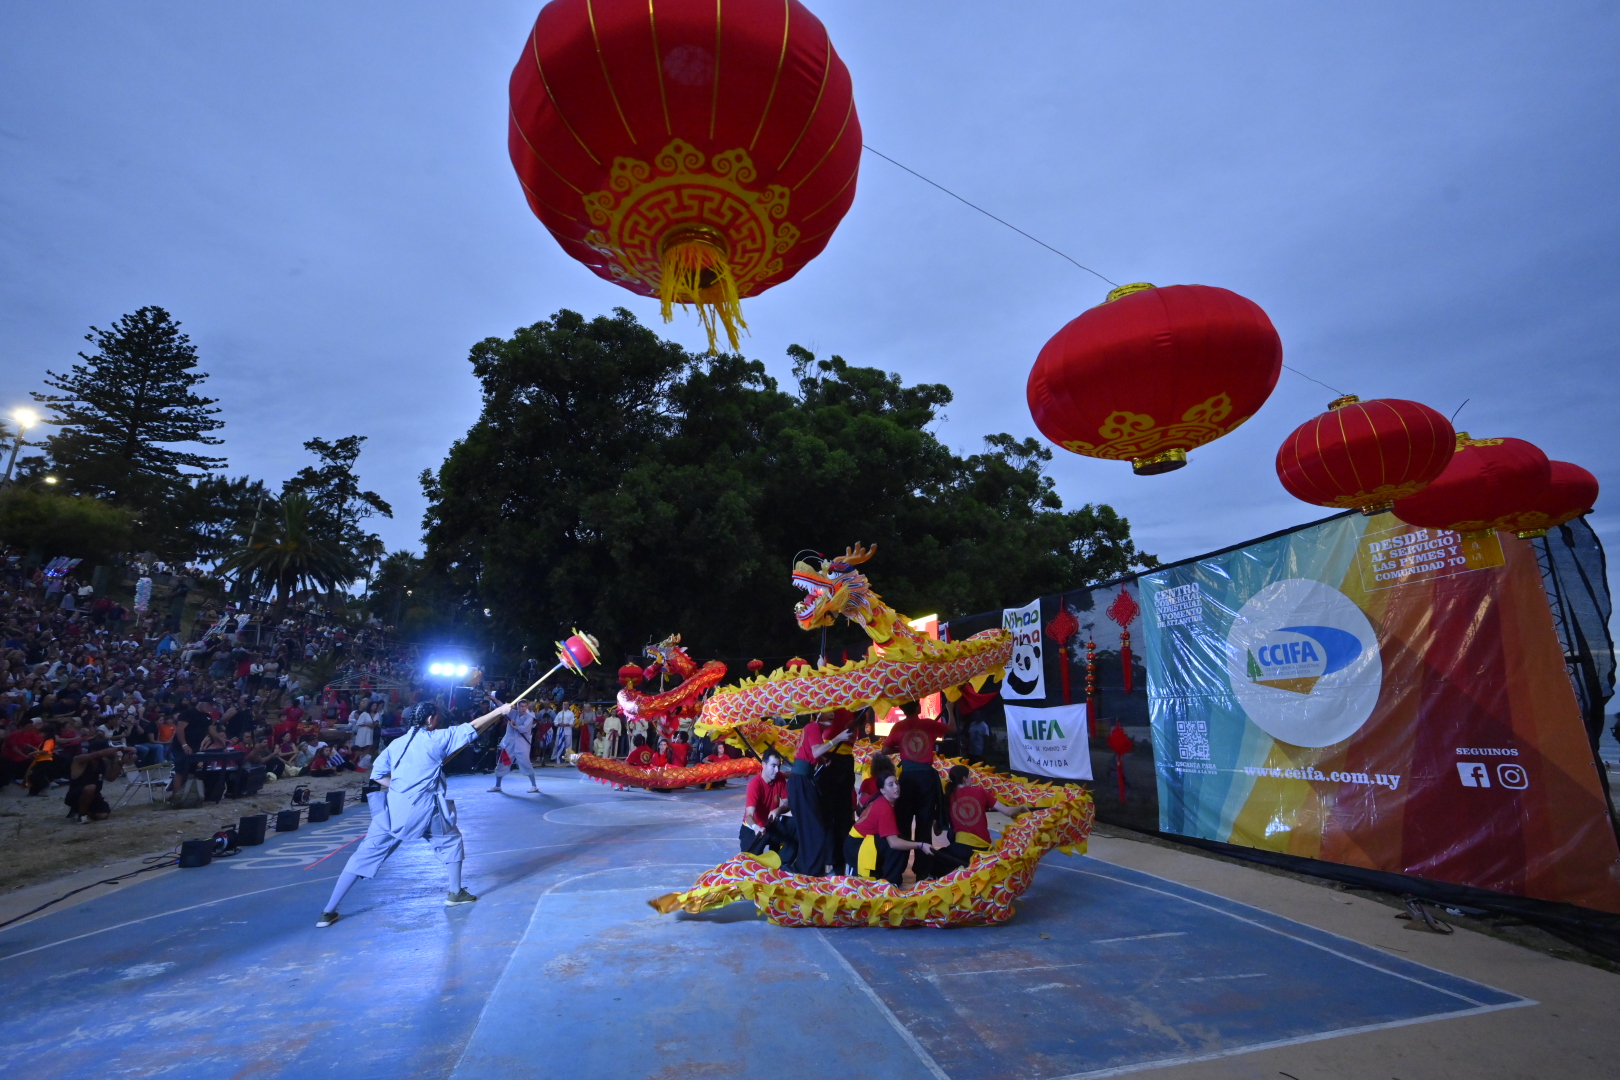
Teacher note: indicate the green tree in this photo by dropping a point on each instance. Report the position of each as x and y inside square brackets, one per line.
[76, 527]
[617, 483]
[333, 489]
[290, 552]
[122, 412]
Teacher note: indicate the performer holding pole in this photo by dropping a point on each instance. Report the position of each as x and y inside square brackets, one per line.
[518, 744]
[815, 843]
[412, 801]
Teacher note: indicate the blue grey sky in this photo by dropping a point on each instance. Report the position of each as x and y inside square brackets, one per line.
[1423, 197]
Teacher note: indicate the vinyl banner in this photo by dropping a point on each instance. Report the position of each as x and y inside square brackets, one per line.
[1382, 696]
[1049, 742]
[1026, 671]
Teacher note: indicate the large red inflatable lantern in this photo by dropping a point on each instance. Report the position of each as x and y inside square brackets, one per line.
[1571, 491]
[1488, 483]
[1152, 373]
[685, 149]
[1364, 455]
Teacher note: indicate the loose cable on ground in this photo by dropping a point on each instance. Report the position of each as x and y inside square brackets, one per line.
[158, 862]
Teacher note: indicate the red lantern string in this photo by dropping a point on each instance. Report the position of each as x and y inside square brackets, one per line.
[1060, 630]
[1121, 744]
[1124, 611]
[1091, 688]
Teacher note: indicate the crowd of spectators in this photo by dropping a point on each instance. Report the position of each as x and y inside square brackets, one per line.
[91, 689]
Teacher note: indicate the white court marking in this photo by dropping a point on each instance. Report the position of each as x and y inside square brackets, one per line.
[1138, 937]
[637, 813]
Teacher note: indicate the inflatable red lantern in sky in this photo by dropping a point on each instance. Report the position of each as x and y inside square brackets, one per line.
[1571, 491]
[1364, 455]
[1485, 486]
[686, 149]
[1152, 373]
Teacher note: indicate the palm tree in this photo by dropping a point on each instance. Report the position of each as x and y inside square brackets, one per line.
[291, 553]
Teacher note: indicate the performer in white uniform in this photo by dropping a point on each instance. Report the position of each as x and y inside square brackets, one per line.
[413, 803]
[518, 742]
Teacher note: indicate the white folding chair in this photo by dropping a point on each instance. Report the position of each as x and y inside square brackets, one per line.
[151, 777]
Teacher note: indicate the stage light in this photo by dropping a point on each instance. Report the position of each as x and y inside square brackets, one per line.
[462, 670]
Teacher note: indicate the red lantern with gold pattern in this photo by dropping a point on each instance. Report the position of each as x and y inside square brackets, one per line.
[690, 150]
[1571, 491]
[1487, 484]
[1152, 373]
[1364, 455]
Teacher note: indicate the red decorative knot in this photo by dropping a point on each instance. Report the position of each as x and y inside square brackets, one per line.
[1124, 609]
[1063, 627]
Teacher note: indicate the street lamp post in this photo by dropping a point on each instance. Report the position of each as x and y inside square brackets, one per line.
[24, 418]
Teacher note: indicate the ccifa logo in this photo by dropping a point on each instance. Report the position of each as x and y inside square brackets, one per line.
[1303, 662]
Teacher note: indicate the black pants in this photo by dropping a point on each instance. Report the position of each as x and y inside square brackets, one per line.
[835, 786]
[780, 836]
[814, 842]
[917, 811]
[954, 856]
[891, 862]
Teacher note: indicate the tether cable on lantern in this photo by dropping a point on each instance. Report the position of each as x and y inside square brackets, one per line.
[1042, 243]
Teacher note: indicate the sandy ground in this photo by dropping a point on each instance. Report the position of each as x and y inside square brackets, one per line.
[38, 843]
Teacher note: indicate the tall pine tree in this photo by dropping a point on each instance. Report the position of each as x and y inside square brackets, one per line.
[124, 409]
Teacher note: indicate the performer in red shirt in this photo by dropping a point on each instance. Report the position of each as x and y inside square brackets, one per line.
[678, 750]
[766, 823]
[640, 756]
[920, 810]
[967, 806]
[874, 846]
[815, 843]
[835, 782]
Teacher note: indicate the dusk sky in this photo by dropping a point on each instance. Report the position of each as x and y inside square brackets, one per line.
[1422, 197]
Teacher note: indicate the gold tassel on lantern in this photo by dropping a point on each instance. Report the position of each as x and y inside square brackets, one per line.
[696, 270]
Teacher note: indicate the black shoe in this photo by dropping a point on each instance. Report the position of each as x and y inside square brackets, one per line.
[328, 918]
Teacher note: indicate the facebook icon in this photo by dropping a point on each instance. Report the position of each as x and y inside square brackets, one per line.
[1474, 774]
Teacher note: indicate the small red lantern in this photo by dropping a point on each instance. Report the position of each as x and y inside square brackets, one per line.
[629, 675]
[756, 666]
[1571, 492]
[1365, 454]
[1121, 744]
[1152, 373]
[685, 149]
[1486, 485]
[1124, 611]
[1063, 627]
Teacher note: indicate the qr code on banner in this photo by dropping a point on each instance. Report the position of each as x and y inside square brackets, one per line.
[1193, 738]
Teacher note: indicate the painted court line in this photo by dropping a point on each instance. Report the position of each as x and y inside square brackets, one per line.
[163, 915]
[1138, 937]
[1223, 978]
[1285, 934]
[1163, 1063]
[887, 1013]
[935, 976]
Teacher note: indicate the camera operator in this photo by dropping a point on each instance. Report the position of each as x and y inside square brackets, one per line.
[88, 774]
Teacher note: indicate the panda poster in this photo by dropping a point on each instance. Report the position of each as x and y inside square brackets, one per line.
[1026, 671]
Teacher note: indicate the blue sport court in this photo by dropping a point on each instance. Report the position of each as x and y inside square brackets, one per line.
[561, 969]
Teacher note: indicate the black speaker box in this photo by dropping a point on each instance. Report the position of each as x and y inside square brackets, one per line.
[196, 852]
[334, 801]
[319, 811]
[250, 829]
[287, 820]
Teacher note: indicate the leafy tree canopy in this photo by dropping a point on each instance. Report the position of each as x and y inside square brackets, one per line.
[50, 524]
[618, 483]
[123, 411]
